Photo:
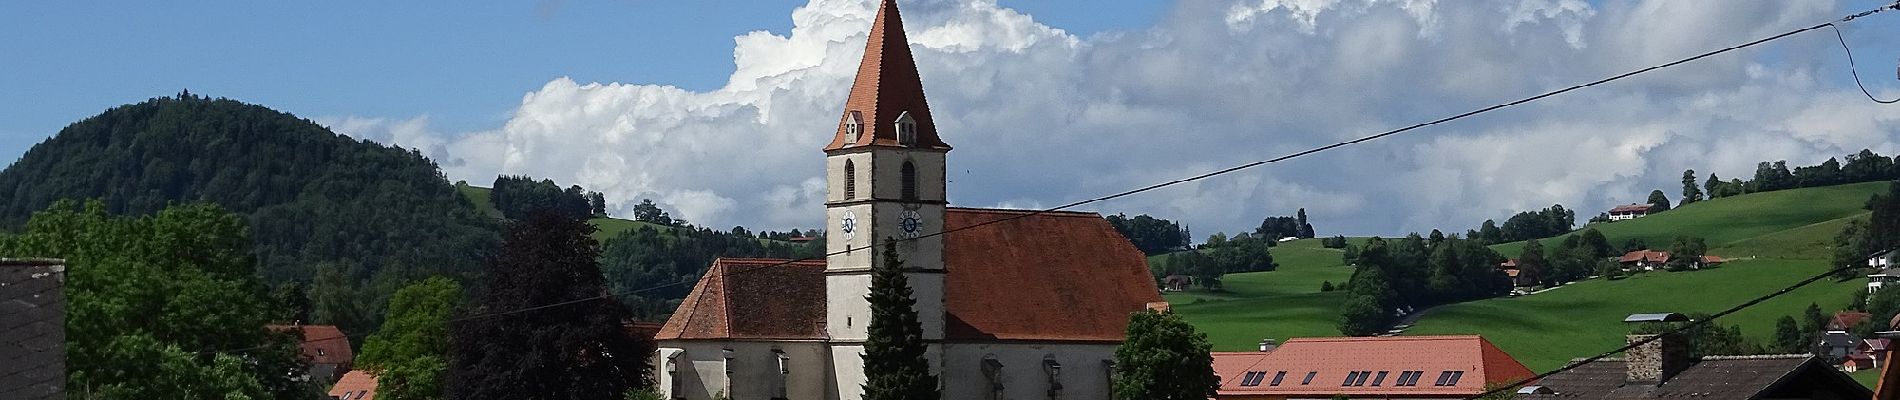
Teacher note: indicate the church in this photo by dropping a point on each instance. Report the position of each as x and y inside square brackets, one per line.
[1020, 305]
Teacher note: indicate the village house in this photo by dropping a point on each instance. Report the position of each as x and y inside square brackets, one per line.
[1410, 367]
[1014, 304]
[1882, 278]
[1509, 266]
[325, 348]
[354, 385]
[1650, 260]
[1664, 369]
[1629, 211]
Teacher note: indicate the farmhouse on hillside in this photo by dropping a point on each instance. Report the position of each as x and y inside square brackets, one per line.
[325, 348]
[1629, 211]
[1650, 260]
[1411, 367]
[1014, 304]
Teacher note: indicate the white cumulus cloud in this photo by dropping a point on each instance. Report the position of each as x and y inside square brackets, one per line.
[1040, 116]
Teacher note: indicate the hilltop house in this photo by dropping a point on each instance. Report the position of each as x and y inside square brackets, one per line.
[1014, 304]
[1629, 211]
[1413, 367]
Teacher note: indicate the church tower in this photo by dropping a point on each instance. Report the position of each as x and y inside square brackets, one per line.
[885, 180]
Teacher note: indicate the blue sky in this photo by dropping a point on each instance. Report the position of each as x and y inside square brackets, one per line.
[1127, 92]
[465, 64]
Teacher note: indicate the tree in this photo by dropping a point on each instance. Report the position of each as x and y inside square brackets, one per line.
[1658, 202]
[575, 351]
[1707, 339]
[1369, 296]
[1597, 244]
[649, 212]
[1690, 193]
[1852, 249]
[1306, 229]
[157, 305]
[409, 355]
[1163, 358]
[894, 364]
[1149, 234]
[1714, 186]
[1788, 337]
[1686, 253]
[1532, 266]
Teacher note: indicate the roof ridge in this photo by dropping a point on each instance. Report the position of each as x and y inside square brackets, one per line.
[1787, 356]
[1025, 211]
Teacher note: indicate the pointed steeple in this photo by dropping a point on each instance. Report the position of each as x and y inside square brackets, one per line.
[888, 92]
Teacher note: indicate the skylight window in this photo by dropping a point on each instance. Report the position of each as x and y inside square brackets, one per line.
[1379, 380]
[1253, 378]
[1350, 376]
[1442, 378]
[1362, 378]
[1309, 377]
[1276, 378]
[1453, 379]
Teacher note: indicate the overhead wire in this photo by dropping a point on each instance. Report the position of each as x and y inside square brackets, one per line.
[1210, 174]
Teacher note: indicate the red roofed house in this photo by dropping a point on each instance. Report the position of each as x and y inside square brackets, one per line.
[326, 348]
[1629, 211]
[355, 385]
[1644, 259]
[1019, 305]
[1411, 367]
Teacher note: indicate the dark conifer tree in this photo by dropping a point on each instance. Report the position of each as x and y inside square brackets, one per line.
[894, 363]
[577, 350]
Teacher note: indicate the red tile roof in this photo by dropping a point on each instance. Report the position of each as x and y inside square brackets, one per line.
[1051, 276]
[1847, 319]
[1631, 208]
[1645, 255]
[751, 298]
[887, 85]
[1332, 360]
[322, 344]
[1062, 276]
[355, 385]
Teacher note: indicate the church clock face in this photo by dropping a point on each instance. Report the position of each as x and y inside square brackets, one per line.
[911, 225]
[848, 225]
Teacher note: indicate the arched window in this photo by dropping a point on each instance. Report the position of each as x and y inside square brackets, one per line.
[910, 180]
[850, 180]
[906, 130]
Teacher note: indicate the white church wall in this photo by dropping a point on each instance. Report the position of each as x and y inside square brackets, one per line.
[1083, 374]
[699, 372]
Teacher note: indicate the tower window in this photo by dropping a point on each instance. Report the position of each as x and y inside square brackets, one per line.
[850, 180]
[906, 130]
[853, 128]
[910, 180]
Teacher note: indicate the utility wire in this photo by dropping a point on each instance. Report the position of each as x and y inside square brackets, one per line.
[1851, 68]
[1211, 174]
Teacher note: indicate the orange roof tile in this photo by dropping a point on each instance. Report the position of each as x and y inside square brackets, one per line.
[1062, 276]
[887, 85]
[355, 385]
[1631, 208]
[322, 344]
[1333, 360]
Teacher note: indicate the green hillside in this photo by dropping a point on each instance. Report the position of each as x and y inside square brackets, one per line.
[1727, 221]
[1776, 238]
[1278, 304]
[608, 227]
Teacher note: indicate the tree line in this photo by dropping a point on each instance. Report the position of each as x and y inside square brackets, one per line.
[1404, 275]
[1548, 222]
[516, 195]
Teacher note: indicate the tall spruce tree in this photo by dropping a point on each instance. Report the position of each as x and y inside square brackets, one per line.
[894, 364]
[1690, 193]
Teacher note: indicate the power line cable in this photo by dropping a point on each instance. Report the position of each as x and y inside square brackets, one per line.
[1219, 172]
[1855, 70]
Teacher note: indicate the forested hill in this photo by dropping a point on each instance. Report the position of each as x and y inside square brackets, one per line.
[314, 198]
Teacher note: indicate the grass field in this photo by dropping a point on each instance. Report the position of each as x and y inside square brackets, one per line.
[1276, 304]
[1727, 221]
[1777, 238]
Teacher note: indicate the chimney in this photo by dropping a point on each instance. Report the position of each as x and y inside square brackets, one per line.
[1267, 345]
[1657, 361]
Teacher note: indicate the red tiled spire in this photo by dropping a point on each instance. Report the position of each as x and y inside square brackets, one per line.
[887, 86]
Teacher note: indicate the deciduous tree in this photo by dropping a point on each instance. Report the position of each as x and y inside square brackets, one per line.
[1163, 358]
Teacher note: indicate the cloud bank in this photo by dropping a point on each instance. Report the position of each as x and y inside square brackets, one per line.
[1041, 117]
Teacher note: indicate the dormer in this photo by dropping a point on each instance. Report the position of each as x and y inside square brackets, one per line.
[906, 130]
[853, 127]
